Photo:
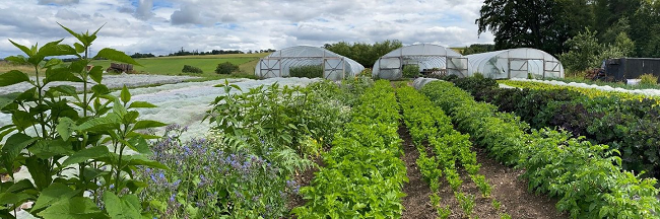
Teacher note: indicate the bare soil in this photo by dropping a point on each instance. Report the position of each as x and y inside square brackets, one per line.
[508, 189]
[303, 179]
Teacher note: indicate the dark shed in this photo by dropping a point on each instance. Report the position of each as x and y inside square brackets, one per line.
[632, 68]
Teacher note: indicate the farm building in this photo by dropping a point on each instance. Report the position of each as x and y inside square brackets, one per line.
[429, 58]
[630, 68]
[516, 63]
[334, 66]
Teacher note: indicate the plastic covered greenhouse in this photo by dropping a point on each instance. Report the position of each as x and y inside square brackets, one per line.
[516, 63]
[429, 58]
[335, 67]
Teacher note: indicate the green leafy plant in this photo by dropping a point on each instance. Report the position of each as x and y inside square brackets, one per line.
[496, 205]
[226, 68]
[466, 201]
[306, 71]
[648, 79]
[410, 71]
[505, 216]
[191, 69]
[48, 136]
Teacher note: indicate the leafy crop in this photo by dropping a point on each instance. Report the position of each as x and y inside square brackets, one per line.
[363, 175]
[587, 179]
[57, 129]
[307, 71]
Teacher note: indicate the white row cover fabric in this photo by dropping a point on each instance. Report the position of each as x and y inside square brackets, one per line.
[335, 66]
[516, 63]
[426, 56]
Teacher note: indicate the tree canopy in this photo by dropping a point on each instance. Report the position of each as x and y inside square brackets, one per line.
[363, 53]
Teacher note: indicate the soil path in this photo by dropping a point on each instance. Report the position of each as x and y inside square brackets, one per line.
[417, 203]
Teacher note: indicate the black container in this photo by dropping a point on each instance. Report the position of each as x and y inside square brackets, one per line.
[632, 68]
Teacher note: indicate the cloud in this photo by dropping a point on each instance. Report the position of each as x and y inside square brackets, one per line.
[58, 2]
[164, 26]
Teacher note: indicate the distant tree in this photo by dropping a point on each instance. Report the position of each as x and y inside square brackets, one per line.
[478, 48]
[586, 52]
[365, 54]
[138, 55]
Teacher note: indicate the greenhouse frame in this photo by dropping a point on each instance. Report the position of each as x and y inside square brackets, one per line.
[335, 67]
[430, 59]
[516, 63]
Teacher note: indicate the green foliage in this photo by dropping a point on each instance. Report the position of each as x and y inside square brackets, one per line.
[505, 216]
[496, 204]
[191, 69]
[411, 71]
[226, 68]
[306, 71]
[649, 79]
[363, 175]
[363, 53]
[588, 179]
[56, 128]
[478, 48]
[466, 201]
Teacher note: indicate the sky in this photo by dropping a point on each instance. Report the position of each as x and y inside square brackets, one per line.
[165, 26]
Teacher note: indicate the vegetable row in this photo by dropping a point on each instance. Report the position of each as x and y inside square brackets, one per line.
[428, 125]
[587, 179]
[363, 175]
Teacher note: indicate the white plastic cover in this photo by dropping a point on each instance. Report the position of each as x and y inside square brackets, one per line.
[335, 66]
[516, 63]
[426, 56]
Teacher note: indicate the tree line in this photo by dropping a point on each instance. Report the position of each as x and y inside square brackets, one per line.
[575, 30]
[363, 53]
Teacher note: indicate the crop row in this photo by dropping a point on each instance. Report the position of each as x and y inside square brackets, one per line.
[363, 175]
[587, 179]
[628, 124]
[590, 92]
[429, 124]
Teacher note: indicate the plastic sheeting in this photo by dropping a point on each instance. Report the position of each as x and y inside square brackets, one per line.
[516, 63]
[419, 83]
[335, 66]
[426, 56]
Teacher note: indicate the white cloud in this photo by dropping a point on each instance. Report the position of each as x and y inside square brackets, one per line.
[164, 26]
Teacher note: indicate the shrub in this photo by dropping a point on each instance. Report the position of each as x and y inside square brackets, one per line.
[226, 68]
[191, 69]
[648, 79]
[410, 71]
[306, 71]
[367, 72]
[478, 75]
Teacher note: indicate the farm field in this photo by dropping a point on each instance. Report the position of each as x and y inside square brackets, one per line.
[174, 64]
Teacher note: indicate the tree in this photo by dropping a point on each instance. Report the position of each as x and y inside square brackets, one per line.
[586, 52]
[541, 24]
[365, 54]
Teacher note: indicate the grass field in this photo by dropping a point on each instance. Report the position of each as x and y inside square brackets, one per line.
[173, 65]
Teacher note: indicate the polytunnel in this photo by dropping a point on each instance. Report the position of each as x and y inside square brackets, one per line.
[335, 67]
[516, 63]
[429, 58]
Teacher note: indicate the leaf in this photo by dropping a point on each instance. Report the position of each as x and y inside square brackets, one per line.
[67, 90]
[121, 208]
[145, 124]
[100, 89]
[75, 208]
[19, 60]
[79, 47]
[56, 49]
[98, 124]
[54, 193]
[65, 128]
[96, 74]
[60, 74]
[8, 99]
[125, 95]
[38, 169]
[87, 154]
[52, 62]
[20, 186]
[114, 55]
[142, 160]
[138, 104]
[139, 144]
[13, 77]
[76, 35]
[49, 148]
[13, 147]
[23, 120]
[23, 48]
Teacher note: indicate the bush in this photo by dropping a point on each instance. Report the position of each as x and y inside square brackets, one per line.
[410, 71]
[306, 71]
[191, 69]
[226, 68]
[648, 79]
[478, 75]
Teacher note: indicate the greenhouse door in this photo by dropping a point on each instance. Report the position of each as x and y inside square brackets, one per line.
[518, 68]
[390, 68]
[270, 68]
[552, 69]
[457, 66]
[334, 69]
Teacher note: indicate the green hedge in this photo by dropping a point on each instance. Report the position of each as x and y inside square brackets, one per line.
[306, 71]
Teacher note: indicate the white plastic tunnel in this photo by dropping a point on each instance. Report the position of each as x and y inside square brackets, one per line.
[427, 56]
[516, 63]
[335, 67]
